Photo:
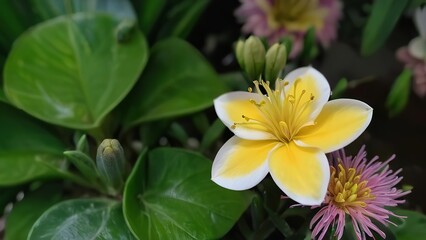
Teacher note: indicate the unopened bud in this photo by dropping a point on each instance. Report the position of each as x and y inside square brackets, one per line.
[276, 58]
[110, 161]
[254, 57]
[239, 52]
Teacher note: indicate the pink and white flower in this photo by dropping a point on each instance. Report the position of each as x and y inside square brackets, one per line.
[360, 189]
[275, 19]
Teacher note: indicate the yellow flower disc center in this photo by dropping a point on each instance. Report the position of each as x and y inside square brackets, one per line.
[283, 111]
[346, 190]
[290, 10]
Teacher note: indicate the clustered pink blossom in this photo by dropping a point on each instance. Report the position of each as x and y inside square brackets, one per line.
[376, 182]
[257, 22]
[418, 66]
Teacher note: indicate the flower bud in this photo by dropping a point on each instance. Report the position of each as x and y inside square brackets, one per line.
[111, 162]
[275, 60]
[239, 50]
[254, 57]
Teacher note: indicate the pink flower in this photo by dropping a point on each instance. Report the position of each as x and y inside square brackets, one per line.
[275, 19]
[360, 189]
[414, 55]
[418, 66]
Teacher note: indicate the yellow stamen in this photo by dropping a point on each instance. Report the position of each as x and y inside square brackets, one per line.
[346, 190]
[282, 114]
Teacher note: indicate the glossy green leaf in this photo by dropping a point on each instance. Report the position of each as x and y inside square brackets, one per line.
[174, 198]
[181, 17]
[177, 80]
[82, 219]
[400, 92]
[410, 228]
[26, 212]
[24, 144]
[383, 18]
[148, 13]
[120, 9]
[72, 71]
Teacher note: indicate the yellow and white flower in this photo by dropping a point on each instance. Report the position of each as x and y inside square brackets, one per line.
[286, 132]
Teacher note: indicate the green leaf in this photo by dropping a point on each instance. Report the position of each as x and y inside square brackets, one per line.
[148, 13]
[177, 81]
[71, 71]
[10, 13]
[82, 219]
[84, 164]
[212, 134]
[174, 198]
[181, 17]
[26, 212]
[47, 9]
[3, 96]
[310, 48]
[399, 94]
[410, 228]
[382, 20]
[340, 88]
[24, 145]
[178, 132]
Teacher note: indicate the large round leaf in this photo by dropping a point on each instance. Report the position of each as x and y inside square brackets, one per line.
[120, 9]
[82, 219]
[174, 198]
[73, 70]
[177, 80]
[24, 146]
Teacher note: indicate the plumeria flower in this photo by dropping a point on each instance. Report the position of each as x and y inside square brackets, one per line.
[359, 189]
[286, 133]
[275, 19]
[414, 55]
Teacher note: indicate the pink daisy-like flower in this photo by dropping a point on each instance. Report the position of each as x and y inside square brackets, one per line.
[359, 189]
[275, 19]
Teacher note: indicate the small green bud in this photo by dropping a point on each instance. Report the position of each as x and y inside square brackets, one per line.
[111, 162]
[254, 57]
[276, 58]
[239, 52]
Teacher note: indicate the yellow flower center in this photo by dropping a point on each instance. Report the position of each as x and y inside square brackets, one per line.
[297, 15]
[346, 190]
[283, 112]
[290, 10]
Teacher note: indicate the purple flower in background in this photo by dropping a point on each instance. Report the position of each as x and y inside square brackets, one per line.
[360, 189]
[414, 55]
[275, 19]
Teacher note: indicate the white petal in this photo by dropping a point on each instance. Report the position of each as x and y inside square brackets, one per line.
[420, 20]
[417, 48]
